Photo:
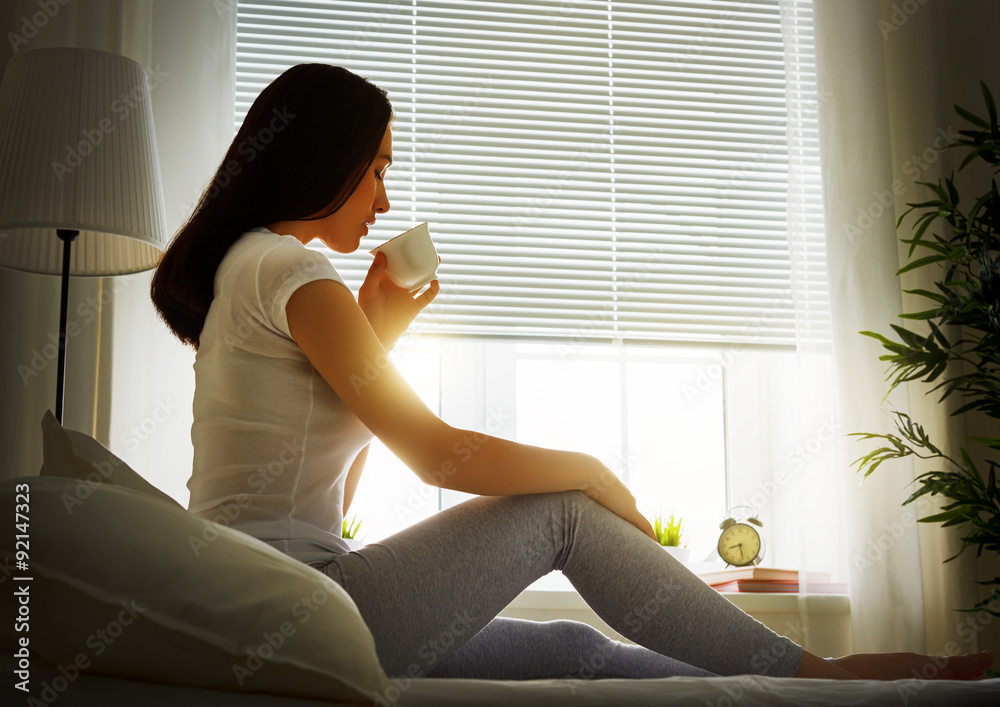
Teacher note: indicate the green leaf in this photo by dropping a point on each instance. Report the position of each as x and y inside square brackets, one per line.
[972, 118]
[991, 109]
[876, 335]
[980, 203]
[937, 371]
[910, 338]
[928, 294]
[936, 331]
[993, 442]
[920, 262]
[968, 158]
[941, 517]
[970, 466]
[924, 222]
[952, 191]
[927, 314]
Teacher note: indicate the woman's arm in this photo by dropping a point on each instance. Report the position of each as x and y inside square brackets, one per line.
[335, 335]
[353, 477]
[390, 309]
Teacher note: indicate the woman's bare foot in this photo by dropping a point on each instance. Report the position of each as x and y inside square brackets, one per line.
[901, 666]
[813, 666]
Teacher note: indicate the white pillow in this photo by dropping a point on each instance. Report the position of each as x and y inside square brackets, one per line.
[139, 588]
[80, 456]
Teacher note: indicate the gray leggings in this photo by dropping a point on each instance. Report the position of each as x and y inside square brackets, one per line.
[430, 593]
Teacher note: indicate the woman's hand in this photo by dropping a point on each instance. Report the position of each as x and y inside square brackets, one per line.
[390, 309]
[611, 493]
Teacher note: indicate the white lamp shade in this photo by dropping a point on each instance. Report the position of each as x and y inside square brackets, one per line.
[78, 151]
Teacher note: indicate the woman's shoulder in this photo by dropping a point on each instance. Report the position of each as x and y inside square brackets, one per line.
[276, 256]
[279, 264]
[260, 241]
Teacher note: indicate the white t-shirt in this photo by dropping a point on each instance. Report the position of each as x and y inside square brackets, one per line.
[272, 441]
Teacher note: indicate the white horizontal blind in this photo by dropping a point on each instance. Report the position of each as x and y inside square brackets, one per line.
[612, 171]
[806, 227]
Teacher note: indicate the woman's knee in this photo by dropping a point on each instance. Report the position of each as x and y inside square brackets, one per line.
[576, 635]
[560, 499]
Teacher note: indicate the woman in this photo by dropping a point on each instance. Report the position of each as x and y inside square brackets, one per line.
[292, 382]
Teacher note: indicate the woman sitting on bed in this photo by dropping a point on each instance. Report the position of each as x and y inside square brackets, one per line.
[292, 383]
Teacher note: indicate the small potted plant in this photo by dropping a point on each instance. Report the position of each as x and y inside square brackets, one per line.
[668, 534]
[349, 529]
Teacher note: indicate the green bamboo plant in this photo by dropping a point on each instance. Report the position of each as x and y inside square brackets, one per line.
[350, 528]
[668, 533]
[960, 350]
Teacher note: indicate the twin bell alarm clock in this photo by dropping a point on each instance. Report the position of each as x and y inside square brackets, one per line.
[740, 544]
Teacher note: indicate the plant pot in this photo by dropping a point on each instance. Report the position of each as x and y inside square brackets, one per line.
[681, 554]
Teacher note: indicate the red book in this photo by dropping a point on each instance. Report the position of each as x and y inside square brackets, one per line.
[769, 573]
[777, 585]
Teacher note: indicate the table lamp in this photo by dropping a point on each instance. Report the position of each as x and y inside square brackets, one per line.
[80, 189]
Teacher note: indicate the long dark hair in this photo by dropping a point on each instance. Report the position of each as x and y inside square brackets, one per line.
[303, 148]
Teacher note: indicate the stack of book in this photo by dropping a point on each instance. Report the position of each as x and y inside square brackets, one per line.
[769, 579]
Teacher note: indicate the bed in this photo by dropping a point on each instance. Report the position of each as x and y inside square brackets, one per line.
[132, 600]
[746, 691]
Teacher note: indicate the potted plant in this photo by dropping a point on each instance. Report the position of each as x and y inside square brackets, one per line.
[668, 534]
[958, 349]
[349, 528]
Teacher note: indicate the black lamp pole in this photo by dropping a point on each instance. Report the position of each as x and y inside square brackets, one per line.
[67, 236]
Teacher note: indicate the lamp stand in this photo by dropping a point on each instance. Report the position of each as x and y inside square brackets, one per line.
[67, 236]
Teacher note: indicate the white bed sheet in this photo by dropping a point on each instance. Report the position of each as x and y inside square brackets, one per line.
[745, 691]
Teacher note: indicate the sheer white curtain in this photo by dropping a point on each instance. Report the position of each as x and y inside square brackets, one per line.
[891, 72]
[128, 382]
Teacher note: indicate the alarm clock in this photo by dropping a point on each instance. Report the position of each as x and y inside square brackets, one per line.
[740, 543]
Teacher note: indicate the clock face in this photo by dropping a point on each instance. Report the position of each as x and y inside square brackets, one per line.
[739, 544]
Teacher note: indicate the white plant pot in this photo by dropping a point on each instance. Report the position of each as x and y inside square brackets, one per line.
[681, 554]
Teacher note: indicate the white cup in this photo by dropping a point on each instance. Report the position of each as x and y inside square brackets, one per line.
[410, 259]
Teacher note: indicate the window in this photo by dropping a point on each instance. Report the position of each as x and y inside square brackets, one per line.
[626, 200]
